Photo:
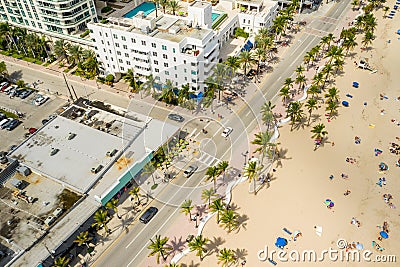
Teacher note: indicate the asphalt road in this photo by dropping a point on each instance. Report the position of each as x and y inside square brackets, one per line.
[130, 249]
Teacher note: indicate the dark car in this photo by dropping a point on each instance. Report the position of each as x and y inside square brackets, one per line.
[190, 170]
[2, 116]
[148, 214]
[25, 93]
[45, 121]
[12, 125]
[176, 117]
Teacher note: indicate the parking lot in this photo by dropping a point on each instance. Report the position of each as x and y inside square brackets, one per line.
[33, 115]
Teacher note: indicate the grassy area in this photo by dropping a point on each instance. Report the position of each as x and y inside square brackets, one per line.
[46, 64]
[9, 114]
[22, 57]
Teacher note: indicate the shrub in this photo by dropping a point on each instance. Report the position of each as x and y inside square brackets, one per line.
[86, 33]
[106, 9]
[104, 21]
[239, 32]
[109, 79]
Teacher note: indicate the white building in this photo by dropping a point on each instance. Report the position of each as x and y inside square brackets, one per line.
[56, 18]
[181, 49]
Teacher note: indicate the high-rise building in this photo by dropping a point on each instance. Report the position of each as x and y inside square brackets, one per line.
[57, 18]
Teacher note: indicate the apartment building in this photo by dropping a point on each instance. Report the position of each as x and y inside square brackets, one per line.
[183, 49]
[57, 18]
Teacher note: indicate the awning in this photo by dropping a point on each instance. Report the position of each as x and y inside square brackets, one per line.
[250, 44]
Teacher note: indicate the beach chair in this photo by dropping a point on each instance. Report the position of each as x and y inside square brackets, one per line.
[287, 231]
[349, 95]
[396, 7]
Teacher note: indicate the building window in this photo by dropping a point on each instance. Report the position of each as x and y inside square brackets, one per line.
[112, 59]
[194, 72]
[108, 43]
[166, 72]
[156, 70]
[184, 70]
[165, 56]
[113, 66]
[174, 67]
[102, 42]
[184, 62]
[194, 81]
[104, 50]
[118, 53]
[193, 64]
[185, 79]
[154, 54]
[156, 62]
[100, 34]
[126, 55]
[106, 58]
[106, 34]
[174, 59]
[153, 45]
[143, 42]
[164, 47]
[116, 44]
[122, 69]
[128, 62]
[176, 75]
[123, 38]
[108, 65]
[173, 50]
[120, 60]
[115, 36]
[166, 65]
[125, 46]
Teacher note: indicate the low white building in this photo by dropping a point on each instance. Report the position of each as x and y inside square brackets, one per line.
[181, 49]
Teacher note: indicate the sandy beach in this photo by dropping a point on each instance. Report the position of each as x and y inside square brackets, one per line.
[301, 184]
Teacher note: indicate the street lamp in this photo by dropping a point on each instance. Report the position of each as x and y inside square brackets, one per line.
[245, 156]
[195, 219]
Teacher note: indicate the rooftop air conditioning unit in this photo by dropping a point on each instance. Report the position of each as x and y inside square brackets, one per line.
[145, 29]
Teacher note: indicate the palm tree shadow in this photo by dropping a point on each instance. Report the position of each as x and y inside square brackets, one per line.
[234, 206]
[201, 209]
[177, 245]
[241, 253]
[282, 154]
[242, 220]
[192, 264]
[213, 245]
[315, 117]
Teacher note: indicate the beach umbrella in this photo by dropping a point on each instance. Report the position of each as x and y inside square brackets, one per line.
[398, 31]
[384, 234]
[359, 246]
[281, 242]
[331, 204]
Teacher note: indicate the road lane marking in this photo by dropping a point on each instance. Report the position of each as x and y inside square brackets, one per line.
[192, 133]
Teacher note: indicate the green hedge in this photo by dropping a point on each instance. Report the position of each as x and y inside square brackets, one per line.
[106, 9]
[219, 21]
[86, 33]
[239, 32]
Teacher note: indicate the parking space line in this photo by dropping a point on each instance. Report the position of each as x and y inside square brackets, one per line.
[192, 133]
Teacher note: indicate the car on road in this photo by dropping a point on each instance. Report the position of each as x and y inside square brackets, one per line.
[190, 170]
[40, 100]
[12, 125]
[148, 215]
[25, 93]
[176, 117]
[226, 132]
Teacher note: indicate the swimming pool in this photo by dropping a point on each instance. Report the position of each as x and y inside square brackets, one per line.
[146, 7]
[214, 16]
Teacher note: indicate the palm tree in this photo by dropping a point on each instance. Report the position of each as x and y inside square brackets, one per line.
[233, 62]
[83, 238]
[284, 93]
[168, 95]
[332, 95]
[385, 10]
[308, 59]
[355, 4]
[370, 23]
[267, 113]
[350, 43]
[149, 169]
[150, 82]
[207, 195]
[159, 248]
[187, 207]
[163, 4]
[299, 70]
[130, 79]
[100, 219]
[183, 94]
[74, 54]
[318, 79]
[229, 220]
[327, 70]
[311, 104]
[251, 171]
[367, 39]
[174, 5]
[332, 107]
[61, 262]
[3, 68]
[338, 65]
[217, 206]
[222, 167]
[260, 55]
[295, 112]
[212, 174]
[262, 140]
[288, 83]
[135, 193]
[226, 257]
[318, 131]
[313, 90]
[112, 205]
[246, 59]
[301, 80]
[198, 244]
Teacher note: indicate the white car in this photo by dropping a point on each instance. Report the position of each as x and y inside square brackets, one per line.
[227, 131]
[40, 100]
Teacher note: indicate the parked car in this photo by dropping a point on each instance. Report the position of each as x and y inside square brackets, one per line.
[148, 215]
[3, 86]
[8, 89]
[2, 116]
[190, 170]
[4, 123]
[25, 93]
[12, 125]
[227, 131]
[40, 100]
[176, 117]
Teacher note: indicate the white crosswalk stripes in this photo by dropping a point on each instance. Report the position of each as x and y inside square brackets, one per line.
[208, 159]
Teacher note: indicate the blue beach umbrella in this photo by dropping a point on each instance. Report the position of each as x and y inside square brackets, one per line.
[384, 235]
[281, 242]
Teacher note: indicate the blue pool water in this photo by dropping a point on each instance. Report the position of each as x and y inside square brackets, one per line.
[146, 7]
[214, 16]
